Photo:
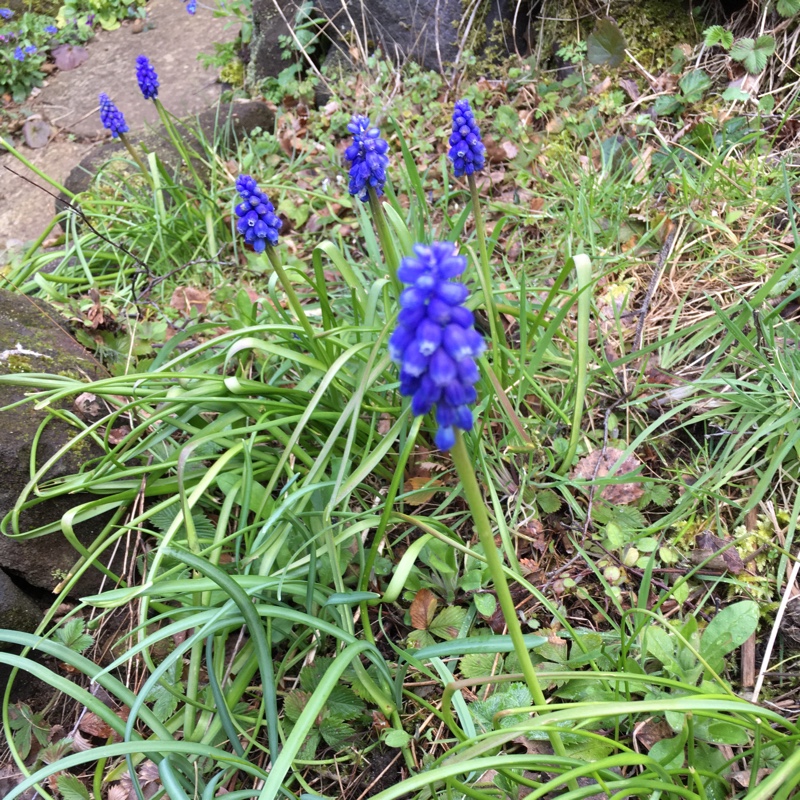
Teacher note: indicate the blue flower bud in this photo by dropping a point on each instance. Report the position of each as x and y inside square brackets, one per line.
[466, 149]
[258, 222]
[111, 117]
[147, 78]
[368, 158]
[435, 342]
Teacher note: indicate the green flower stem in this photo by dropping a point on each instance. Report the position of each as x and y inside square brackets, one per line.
[583, 270]
[385, 235]
[136, 157]
[472, 493]
[35, 170]
[178, 141]
[291, 295]
[485, 275]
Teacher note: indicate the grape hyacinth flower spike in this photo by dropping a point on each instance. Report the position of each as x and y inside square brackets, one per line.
[435, 342]
[368, 163]
[111, 116]
[258, 222]
[6, 13]
[147, 78]
[367, 157]
[112, 120]
[260, 226]
[466, 148]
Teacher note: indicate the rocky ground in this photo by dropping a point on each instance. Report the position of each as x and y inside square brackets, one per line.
[172, 39]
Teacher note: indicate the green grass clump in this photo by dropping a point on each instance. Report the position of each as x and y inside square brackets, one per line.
[311, 602]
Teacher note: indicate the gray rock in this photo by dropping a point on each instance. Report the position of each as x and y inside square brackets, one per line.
[226, 123]
[271, 19]
[34, 339]
[18, 611]
[433, 32]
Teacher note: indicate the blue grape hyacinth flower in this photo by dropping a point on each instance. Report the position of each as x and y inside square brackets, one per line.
[435, 342]
[18, 54]
[367, 157]
[466, 148]
[258, 222]
[6, 13]
[111, 116]
[147, 78]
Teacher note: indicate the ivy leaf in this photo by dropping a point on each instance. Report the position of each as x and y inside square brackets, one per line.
[606, 44]
[72, 635]
[71, 788]
[788, 8]
[717, 35]
[753, 54]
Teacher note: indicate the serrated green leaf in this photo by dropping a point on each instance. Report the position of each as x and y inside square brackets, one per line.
[659, 494]
[753, 54]
[694, 85]
[733, 94]
[717, 35]
[344, 701]
[335, 731]
[420, 639]
[311, 675]
[514, 695]
[27, 725]
[71, 788]
[666, 104]
[548, 501]
[606, 44]
[447, 623]
[294, 703]
[788, 8]
[71, 634]
[478, 665]
[166, 516]
[55, 751]
[164, 701]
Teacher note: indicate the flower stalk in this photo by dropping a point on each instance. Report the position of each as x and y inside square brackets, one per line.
[472, 493]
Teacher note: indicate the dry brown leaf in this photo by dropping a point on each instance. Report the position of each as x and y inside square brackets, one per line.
[423, 609]
[510, 149]
[641, 164]
[652, 731]
[722, 554]
[116, 435]
[118, 792]
[418, 482]
[186, 298]
[630, 88]
[597, 465]
[92, 725]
